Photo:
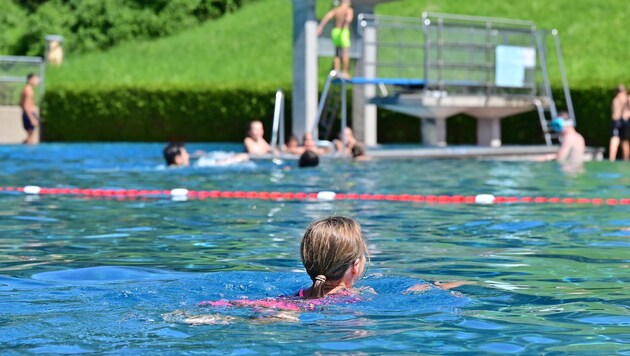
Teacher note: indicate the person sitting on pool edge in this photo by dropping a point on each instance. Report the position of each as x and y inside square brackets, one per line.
[176, 155]
[308, 159]
[255, 143]
[350, 142]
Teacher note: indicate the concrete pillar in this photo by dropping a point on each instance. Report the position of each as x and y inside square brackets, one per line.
[304, 108]
[364, 114]
[433, 131]
[489, 132]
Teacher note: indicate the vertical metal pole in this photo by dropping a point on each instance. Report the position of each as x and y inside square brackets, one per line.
[440, 58]
[543, 66]
[425, 28]
[344, 116]
[305, 88]
[281, 135]
[42, 84]
[489, 55]
[563, 74]
[277, 112]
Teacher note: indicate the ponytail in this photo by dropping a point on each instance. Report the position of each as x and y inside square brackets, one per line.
[317, 289]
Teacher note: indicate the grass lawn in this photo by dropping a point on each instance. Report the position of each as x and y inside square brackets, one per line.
[253, 46]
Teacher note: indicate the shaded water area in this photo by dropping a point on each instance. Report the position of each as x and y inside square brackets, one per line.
[98, 275]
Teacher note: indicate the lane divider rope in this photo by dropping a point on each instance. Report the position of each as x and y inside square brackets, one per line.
[184, 194]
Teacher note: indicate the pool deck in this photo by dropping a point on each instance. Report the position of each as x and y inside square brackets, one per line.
[11, 130]
[505, 153]
[512, 153]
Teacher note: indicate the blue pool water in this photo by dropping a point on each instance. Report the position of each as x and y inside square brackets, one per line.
[82, 275]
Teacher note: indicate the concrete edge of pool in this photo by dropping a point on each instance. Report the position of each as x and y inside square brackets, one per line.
[508, 153]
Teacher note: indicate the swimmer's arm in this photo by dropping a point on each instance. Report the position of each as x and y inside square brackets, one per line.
[422, 287]
[182, 316]
[324, 21]
[284, 316]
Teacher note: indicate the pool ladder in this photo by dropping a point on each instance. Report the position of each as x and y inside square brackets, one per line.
[277, 135]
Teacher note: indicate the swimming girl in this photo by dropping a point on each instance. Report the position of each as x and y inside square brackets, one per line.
[334, 253]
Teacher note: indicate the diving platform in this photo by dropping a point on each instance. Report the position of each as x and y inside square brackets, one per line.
[436, 66]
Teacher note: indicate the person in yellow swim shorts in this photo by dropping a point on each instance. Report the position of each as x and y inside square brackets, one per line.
[343, 15]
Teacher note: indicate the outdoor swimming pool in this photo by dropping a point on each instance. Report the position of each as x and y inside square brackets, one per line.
[81, 274]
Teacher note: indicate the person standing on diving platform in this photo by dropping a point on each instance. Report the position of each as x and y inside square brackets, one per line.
[340, 35]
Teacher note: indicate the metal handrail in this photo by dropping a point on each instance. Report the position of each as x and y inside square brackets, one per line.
[563, 74]
[344, 106]
[277, 134]
[322, 100]
[543, 67]
[543, 121]
[493, 20]
[24, 59]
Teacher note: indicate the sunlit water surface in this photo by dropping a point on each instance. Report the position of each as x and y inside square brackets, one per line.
[98, 275]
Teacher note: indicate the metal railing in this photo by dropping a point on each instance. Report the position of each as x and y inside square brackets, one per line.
[468, 55]
[13, 72]
[277, 134]
[324, 99]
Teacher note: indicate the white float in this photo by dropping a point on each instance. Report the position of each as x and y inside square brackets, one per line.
[32, 189]
[326, 195]
[484, 199]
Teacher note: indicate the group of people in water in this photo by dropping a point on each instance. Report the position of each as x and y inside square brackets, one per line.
[255, 145]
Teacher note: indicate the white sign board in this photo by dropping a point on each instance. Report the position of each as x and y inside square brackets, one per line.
[511, 63]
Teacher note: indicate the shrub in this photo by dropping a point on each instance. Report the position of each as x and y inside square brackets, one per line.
[97, 25]
[204, 113]
[11, 23]
[130, 113]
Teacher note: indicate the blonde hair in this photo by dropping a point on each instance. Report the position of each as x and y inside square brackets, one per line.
[329, 247]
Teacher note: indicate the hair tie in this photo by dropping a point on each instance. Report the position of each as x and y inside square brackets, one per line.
[321, 278]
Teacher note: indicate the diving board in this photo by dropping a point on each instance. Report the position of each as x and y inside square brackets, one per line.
[412, 82]
[407, 82]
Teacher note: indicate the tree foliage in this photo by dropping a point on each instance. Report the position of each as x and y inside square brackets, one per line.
[89, 25]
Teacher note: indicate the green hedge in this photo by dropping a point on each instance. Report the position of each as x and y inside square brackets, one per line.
[221, 114]
[154, 114]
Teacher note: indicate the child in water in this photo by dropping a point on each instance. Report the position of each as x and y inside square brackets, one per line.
[334, 254]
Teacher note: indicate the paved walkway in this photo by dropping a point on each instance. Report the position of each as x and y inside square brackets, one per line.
[11, 130]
